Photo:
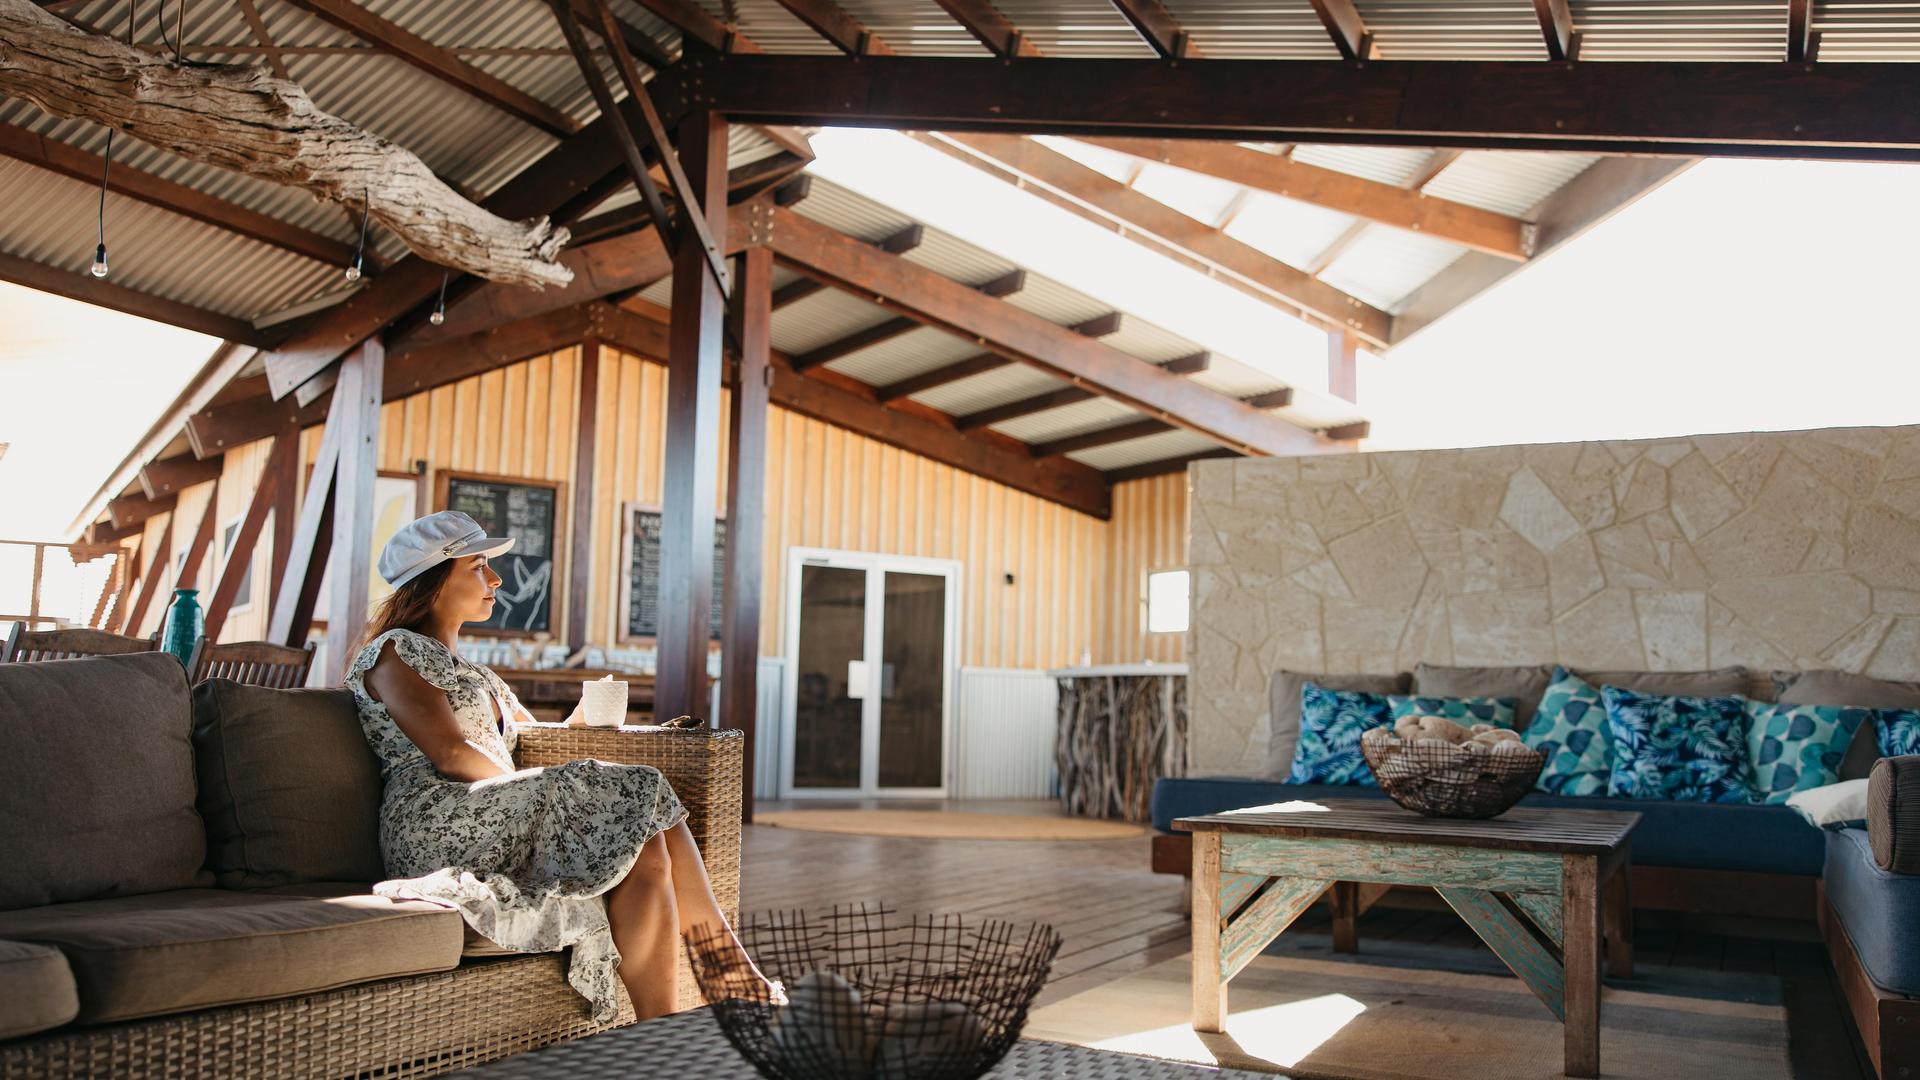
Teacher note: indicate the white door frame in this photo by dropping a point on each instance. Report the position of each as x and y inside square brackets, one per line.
[874, 565]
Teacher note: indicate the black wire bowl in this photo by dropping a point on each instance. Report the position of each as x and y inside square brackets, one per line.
[1441, 779]
[872, 997]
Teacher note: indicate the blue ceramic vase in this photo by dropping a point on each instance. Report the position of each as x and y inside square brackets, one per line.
[185, 621]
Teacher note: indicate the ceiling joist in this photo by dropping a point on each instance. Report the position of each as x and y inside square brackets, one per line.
[1158, 28]
[1151, 223]
[1556, 28]
[843, 31]
[1345, 26]
[1003, 286]
[990, 28]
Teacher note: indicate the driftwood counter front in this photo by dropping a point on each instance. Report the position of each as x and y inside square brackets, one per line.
[1121, 728]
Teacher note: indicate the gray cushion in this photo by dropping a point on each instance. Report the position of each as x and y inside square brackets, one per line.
[96, 784]
[1524, 684]
[1720, 682]
[170, 952]
[36, 989]
[1283, 730]
[1893, 813]
[289, 788]
[1842, 688]
[474, 943]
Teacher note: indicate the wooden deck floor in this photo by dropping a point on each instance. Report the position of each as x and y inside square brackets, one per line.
[1117, 917]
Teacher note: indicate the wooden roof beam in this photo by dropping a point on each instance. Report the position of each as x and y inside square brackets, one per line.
[171, 476]
[842, 30]
[989, 27]
[130, 510]
[896, 243]
[442, 63]
[1097, 327]
[1801, 45]
[1002, 286]
[1727, 108]
[70, 161]
[1345, 26]
[693, 22]
[1163, 467]
[1556, 27]
[1158, 28]
[1143, 220]
[1141, 428]
[1469, 226]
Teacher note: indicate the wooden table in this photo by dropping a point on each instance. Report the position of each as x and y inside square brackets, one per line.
[1528, 882]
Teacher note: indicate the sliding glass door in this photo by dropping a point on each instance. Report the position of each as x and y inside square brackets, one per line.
[871, 653]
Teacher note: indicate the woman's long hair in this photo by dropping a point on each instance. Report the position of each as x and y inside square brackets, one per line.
[407, 607]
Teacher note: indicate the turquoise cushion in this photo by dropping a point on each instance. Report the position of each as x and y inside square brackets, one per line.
[1671, 747]
[1899, 732]
[1331, 723]
[1469, 711]
[1571, 731]
[1797, 747]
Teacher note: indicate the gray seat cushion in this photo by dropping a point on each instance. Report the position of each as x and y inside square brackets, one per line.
[36, 989]
[1283, 730]
[168, 952]
[1842, 688]
[1525, 684]
[97, 783]
[289, 788]
[1878, 909]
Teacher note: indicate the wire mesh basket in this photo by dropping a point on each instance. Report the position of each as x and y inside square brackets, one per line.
[1443, 779]
[872, 997]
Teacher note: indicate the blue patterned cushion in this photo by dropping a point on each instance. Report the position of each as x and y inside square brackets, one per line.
[1571, 731]
[1670, 747]
[1899, 732]
[1469, 711]
[1797, 747]
[1331, 723]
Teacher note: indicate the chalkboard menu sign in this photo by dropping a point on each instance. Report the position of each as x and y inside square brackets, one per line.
[528, 511]
[643, 572]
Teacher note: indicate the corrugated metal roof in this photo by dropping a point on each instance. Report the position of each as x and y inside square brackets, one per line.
[1453, 29]
[997, 387]
[1868, 30]
[51, 220]
[1386, 164]
[1067, 28]
[909, 354]
[1167, 444]
[1289, 230]
[1507, 181]
[1680, 30]
[1201, 197]
[1385, 266]
[1254, 29]
[1076, 419]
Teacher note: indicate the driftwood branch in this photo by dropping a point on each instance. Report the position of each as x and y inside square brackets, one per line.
[250, 121]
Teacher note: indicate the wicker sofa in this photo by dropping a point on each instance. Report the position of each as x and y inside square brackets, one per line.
[185, 885]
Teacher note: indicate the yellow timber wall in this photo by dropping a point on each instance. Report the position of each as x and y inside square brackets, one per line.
[1079, 583]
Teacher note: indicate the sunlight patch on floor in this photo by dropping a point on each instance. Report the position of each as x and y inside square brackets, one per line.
[1281, 1034]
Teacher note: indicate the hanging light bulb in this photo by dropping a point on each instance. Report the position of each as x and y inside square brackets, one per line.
[360, 252]
[440, 306]
[99, 268]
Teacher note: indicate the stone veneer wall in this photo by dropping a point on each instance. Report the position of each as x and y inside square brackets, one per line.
[1773, 550]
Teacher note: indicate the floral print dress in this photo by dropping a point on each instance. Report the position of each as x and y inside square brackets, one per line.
[525, 857]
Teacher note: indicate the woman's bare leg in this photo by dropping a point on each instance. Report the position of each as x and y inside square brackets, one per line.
[700, 912]
[645, 920]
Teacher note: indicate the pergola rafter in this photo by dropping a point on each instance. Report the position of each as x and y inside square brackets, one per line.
[1158, 28]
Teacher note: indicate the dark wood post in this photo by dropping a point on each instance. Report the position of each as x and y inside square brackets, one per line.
[156, 569]
[278, 471]
[286, 504]
[690, 485]
[752, 311]
[580, 559]
[356, 406]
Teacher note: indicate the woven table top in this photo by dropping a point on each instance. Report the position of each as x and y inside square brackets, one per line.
[690, 1044]
[1573, 832]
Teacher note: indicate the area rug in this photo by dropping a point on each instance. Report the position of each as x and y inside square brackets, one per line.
[939, 825]
[1354, 1021]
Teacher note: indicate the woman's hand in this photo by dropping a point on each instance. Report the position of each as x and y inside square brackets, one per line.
[425, 716]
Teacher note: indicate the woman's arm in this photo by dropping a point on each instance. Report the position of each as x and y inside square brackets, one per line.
[424, 714]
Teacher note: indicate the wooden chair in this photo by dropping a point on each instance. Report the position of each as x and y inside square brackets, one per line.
[256, 663]
[28, 646]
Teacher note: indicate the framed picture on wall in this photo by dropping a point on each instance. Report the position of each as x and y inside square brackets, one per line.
[527, 602]
[398, 497]
[640, 572]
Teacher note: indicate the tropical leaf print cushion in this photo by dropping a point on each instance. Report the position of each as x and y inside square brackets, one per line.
[1797, 747]
[1683, 748]
[1331, 723]
[1899, 732]
[1468, 711]
[1570, 729]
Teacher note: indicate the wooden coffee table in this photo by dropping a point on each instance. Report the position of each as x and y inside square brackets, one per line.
[1528, 882]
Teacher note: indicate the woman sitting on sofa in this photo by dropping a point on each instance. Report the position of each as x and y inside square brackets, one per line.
[588, 855]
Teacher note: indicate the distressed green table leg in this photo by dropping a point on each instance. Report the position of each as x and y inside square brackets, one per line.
[1209, 982]
[1580, 909]
[1514, 941]
[1249, 931]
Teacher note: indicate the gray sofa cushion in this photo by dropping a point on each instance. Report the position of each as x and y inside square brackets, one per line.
[289, 788]
[1877, 909]
[1842, 688]
[1893, 814]
[1524, 684]
[1720, 682]
[36, 989]
[136, 956]
[97, 784]
[1283, 730]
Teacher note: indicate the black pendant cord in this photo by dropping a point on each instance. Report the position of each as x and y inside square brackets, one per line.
[360, 251]
[440, 305]
[99, 267]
